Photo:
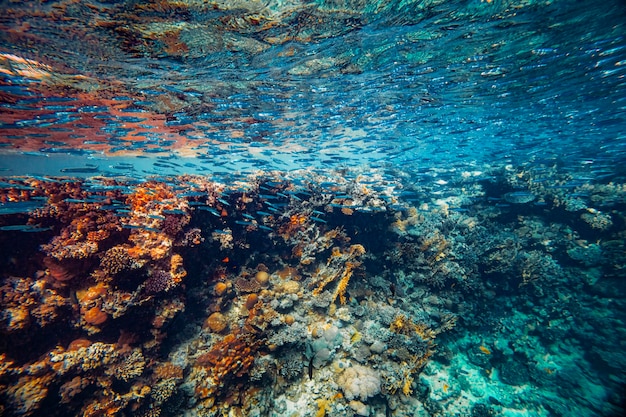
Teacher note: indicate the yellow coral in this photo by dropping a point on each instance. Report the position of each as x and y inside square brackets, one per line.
[343, 283]
[322, 405]
[406, 387]
[177, 270]
[334, 269]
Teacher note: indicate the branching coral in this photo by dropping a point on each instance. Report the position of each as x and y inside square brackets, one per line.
[339, 266]
[412, 346]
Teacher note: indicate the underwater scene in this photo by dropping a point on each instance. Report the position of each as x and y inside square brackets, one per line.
[313, 208]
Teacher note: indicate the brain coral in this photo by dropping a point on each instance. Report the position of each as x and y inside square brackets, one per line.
[359, 382]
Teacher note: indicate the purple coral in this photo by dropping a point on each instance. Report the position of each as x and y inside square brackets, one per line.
[158, 281]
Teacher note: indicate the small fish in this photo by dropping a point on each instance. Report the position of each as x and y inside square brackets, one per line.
[193, 194]
[210, 210]
[24, 228]
[19, 207]
[519, 197]
[156, 217]
[244, 223]
[81, 170]
[173, 211]
[135, 227]
[268, 196]
[7, 185]
[311, 368]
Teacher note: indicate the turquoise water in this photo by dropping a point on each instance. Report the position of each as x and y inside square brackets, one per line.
[392, 208]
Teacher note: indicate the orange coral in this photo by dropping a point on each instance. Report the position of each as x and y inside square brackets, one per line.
[343, 282]
[216, 322]
[229, 359]
[296, 222]
[251, 301]
[91, 293]
[220, 288]
[177, 270]
[95, 316]
[77, 344]
[168, 371]
[144, 197]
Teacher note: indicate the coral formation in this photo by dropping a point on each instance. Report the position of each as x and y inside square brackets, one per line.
[346, 301]
[359, 382]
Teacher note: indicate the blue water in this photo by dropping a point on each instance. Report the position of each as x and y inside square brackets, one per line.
[415, 84]
[476, 149]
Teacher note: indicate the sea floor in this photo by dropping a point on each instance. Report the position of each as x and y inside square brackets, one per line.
[313, 294]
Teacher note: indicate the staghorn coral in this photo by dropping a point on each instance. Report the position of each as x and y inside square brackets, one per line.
[95, 356]
[85, 233]
[225, 238]
[59, 248]
[168, 376]
[597, 219]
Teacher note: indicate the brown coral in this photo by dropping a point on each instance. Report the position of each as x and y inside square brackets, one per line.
[216, 322]
[116, 260]
[24, 300]
[340, 265]
[168, 371]
[229, 359]
[247, 285]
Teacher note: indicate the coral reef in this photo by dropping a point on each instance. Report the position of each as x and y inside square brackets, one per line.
[281, 298]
